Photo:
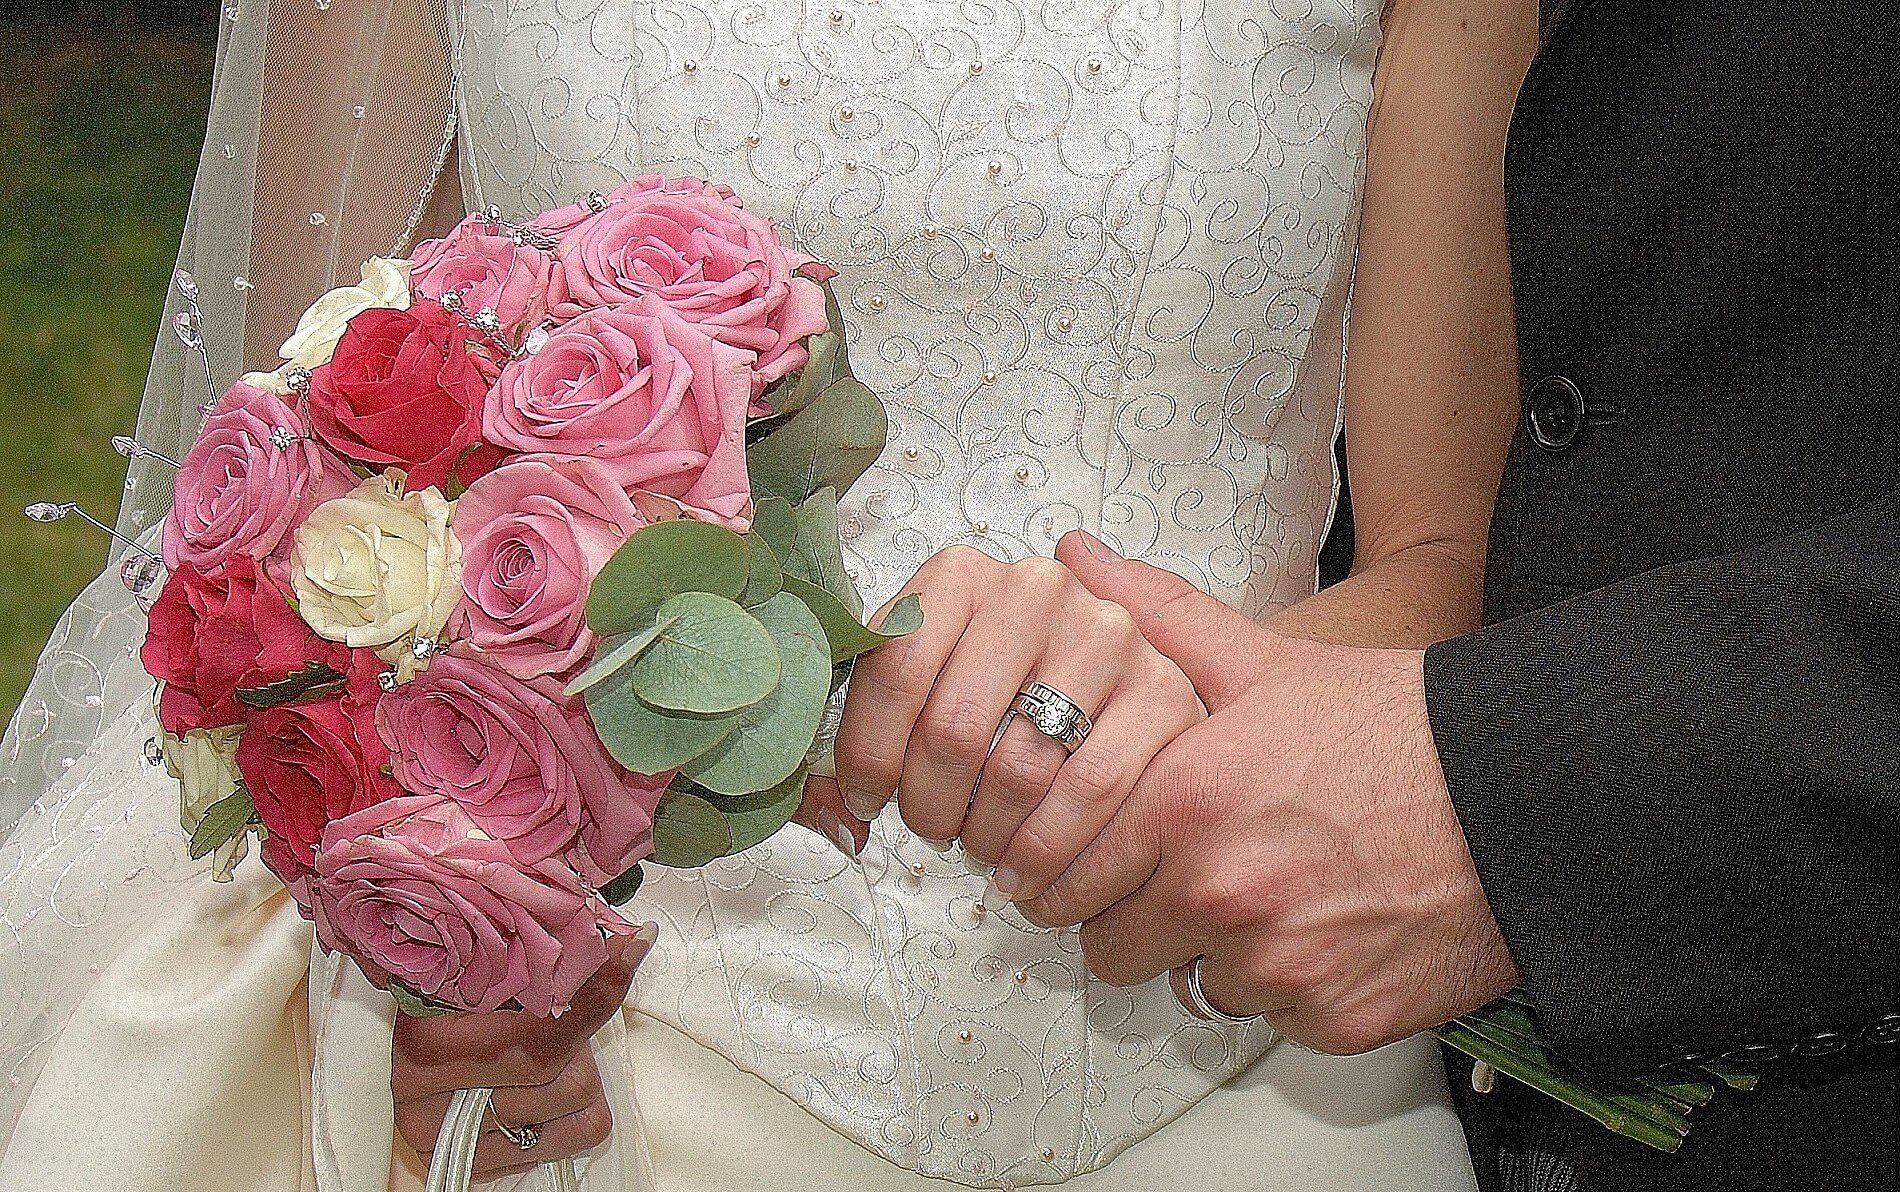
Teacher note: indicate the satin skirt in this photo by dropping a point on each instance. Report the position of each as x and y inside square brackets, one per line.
[193, 1064]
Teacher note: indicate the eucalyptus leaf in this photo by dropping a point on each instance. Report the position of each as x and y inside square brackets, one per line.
[222, 821]
[316, 680]
[831, 442]
[614, 653]
[414, 1004]
[774, 520]
[847, 637]
[756, 817]
[764, 580]
[826, 349]
[659, 562]
[648, 740]
[816, 556]
[906, 617]
[688, 831]
[826, 359]
[621, 890]
[710, 657]
[774, 734]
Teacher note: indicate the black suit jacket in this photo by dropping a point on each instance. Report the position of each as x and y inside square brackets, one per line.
[1675, 750]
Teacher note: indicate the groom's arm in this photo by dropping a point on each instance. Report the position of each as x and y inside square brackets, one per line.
[1682, 793]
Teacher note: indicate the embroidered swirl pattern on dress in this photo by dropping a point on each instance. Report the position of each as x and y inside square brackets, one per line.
[1093, 256]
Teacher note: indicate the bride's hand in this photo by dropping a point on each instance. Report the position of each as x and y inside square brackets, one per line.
[922, 711]
[541, 1069]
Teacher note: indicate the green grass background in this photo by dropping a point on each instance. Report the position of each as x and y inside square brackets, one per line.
[101, 117]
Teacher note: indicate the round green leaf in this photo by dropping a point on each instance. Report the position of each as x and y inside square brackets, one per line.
[657, 563]
[774, 521]
[688, 831]
[644, 739]
[711, 656]
[832, 441]
[847, 637]
[816, 556]
[764, 580]
[774, 734]
[753, 818]
[621, 890]
[612, 654]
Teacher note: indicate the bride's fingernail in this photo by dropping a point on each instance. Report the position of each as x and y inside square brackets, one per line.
[1098, 550]
[998, 891]
[837, 833]
[863, 804]
[940, 847]
[647, 932]
[979, 868]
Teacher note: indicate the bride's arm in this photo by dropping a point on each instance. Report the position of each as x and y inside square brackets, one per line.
[1431, 360]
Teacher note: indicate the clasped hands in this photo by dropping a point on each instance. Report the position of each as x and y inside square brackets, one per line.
[1272, 806]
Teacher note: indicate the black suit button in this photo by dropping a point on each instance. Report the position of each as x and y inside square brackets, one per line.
[1685, 1059]
[1554, 409]
[1885, 1029]
[1821, 1043]
[1753, 1053]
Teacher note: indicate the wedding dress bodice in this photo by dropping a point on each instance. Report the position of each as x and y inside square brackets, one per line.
[1093, 257]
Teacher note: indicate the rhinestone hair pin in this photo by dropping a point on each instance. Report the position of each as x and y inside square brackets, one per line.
[188, 325]
[131, 448]
[142, 572]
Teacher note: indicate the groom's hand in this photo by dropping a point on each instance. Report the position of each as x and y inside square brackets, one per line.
[1301, 838]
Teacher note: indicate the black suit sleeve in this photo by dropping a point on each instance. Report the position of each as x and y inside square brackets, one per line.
[1682, 793]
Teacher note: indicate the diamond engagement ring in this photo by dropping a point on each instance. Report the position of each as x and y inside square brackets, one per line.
[1054, 714]
[1201, 1008]
[524, 1137]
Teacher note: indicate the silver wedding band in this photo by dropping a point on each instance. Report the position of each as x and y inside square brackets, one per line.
[1200, 1007]
[1054, 714]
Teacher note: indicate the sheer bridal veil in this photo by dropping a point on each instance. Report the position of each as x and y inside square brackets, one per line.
[331, 124]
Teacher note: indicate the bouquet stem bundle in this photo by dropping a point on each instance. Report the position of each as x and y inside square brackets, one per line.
[1652, 1110]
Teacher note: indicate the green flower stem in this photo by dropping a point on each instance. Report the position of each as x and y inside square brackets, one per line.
[1617, 1118]
[1692, 1093]
[1662, 1114]
[1731, 1075]
[1661, 1111]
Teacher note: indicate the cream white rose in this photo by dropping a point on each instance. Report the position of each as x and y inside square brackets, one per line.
[204, 763]
[377, 567]
[385, 283]
[269, 382]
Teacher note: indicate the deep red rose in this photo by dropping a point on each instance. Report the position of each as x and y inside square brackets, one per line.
[306, 764]
[209, 635]
[404, 389]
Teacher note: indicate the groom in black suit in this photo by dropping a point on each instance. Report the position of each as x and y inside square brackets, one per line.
[1662, 788]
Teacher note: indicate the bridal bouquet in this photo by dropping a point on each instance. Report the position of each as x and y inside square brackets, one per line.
[523, 568]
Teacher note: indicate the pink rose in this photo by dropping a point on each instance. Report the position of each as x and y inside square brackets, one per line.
[654, 399]
[488, 270]
[239, 492]
[524, 763]
[559, 221]
[415, 892]
[695, 245]
[534, 533]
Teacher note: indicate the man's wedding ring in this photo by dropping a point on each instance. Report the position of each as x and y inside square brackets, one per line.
[1054, 714]
[1200, 1007]
[524, 1137]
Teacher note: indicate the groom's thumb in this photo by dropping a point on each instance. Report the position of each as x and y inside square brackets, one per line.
[1211, 643]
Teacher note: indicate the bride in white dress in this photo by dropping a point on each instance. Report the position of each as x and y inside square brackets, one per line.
[1096, 259]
